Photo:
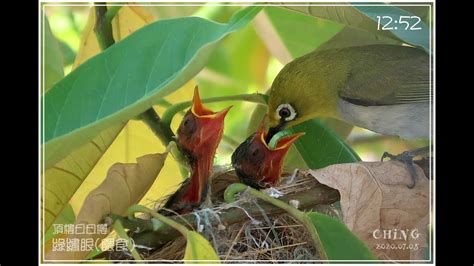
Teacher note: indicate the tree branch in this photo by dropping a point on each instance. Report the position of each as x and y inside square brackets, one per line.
[103, 27]
[152, 119]
[104, 35]
[316, 195]
[254, 98]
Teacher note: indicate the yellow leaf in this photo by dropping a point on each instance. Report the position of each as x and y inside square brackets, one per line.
[198, 250]
[124, 186]
[63, 179]
[126, 21]
[135, 140]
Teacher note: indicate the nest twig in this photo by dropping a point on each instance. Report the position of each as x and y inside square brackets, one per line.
[251, 242]
[248, 230]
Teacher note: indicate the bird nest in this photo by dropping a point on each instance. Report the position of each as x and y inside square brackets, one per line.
[275, 239]
[262, 233]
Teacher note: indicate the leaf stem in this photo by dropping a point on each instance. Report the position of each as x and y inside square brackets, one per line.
[121, 233]
[152, 119]
[139, 208]
[111, 12]
[173, 110]
[103, 27]
[230, 196]
[104, 34]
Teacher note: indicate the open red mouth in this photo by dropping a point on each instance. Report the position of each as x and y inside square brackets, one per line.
[199, 135]
[256, 163]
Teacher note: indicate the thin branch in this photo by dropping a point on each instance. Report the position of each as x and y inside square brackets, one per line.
[164, 234]
[254, 98]
[111, 12]
[104, 34]
[152, 119]
[103, 27]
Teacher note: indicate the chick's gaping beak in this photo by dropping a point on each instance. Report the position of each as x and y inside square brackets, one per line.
[201, 129]
[257, 164]
[199, 135]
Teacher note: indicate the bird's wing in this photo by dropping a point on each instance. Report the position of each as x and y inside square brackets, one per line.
[399, 75]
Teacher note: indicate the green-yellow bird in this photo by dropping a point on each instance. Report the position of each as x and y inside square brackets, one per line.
[384, 88]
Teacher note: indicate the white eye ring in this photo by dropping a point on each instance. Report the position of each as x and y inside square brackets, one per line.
[290, 108]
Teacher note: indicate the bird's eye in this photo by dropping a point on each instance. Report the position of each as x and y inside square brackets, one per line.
[286, 112]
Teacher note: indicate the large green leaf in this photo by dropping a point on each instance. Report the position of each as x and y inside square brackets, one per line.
[350, 37]
[301, 34]
[289, 34]
[53, 59]
[338, 241]
[364, 17]
[128, 78]
[198, 249]
[65, 177]
[415, 37]
[321, 146]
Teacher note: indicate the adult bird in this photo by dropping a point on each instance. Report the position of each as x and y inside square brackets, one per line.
[198, 136]
[383, 88]
[258, 165]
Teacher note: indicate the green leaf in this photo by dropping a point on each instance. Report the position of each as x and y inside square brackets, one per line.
[128, 78]
[350, 37]
[65, 177]
[67, 216]
[321, 146]
[301, 34]
[237, 66]
[338, 241]
[198, 249]
[68, 54]
[414, 37]
[53, 59]
[419, 10]
[365, 18]
[289, 34]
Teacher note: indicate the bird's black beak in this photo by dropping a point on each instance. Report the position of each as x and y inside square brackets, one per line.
[273, 130]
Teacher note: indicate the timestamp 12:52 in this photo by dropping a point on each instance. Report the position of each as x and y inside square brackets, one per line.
[402, 22]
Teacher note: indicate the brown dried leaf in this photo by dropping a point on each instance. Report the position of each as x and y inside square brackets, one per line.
[422, 241]
[375, 196]
[125, 185]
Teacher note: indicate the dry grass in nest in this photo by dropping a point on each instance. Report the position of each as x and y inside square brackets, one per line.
[283, 239]
[270, 239]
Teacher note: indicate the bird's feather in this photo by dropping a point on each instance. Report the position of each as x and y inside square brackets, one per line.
[397, 75]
